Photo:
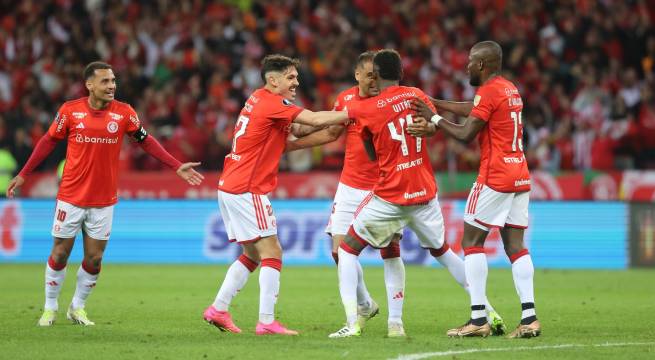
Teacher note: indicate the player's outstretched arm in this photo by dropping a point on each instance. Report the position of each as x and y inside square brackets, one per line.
[318, 138]
[322, 118]
[186, 172]
[151, 146]
[460, 108]
[41, 151]
[464, 132]
[300, 130]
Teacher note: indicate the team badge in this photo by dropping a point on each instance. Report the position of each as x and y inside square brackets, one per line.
[112, 127]
[286, 102]
[476, 100]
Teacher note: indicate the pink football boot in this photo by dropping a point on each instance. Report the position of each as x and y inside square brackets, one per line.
[221, 319]
[274, 328]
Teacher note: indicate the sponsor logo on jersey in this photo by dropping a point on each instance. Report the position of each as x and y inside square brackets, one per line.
[513, 159]
[79, 115]
[135, 120]
[415, 194]
[115, 116]
[348, 97]
[476, 100]
[10, 229]
[409, 164]
[80, 126]
[253, 99]
[60, 120]
[522, 182]
[112, 127]
[95, 140]
[510, 92]
[248, 107]
[383, 102]
[286, 102]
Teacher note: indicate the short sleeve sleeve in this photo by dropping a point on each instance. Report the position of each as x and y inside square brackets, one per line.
[483, 103]
[427, 101]
[284, 110]
[59, 127]
[133, 124]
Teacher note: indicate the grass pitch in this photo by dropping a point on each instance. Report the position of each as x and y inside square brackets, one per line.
[155, 312]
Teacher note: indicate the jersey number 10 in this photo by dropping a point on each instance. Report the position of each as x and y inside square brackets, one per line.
[400, 136]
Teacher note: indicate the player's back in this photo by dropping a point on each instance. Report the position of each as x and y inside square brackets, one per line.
[358, 170]
[258, 143]
[406, 175]
[502, 163]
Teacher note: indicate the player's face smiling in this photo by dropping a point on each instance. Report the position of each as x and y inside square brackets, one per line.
[102, 85]
[366, 80]
[288, 83]
[473, 69]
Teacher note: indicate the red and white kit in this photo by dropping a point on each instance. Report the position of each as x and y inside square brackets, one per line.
[501, 193]
[88, 189]
[250, 170]
[405, 193]
[359, 173]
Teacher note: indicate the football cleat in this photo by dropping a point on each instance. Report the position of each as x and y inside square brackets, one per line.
[221, 319]
[274, 328]
[365, 314]
[48, 318]
[470, 330]
[347, 331]
[78, 316]
[396, 330]
[497, 323]
[533, 329]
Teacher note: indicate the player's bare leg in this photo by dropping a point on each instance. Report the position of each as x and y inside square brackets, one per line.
[55, 272]
[523, 274]
[349, 251]
[475, 265]
[87, 276]
[270, 252]
[367, 308]
[236, 277]
[394, 280]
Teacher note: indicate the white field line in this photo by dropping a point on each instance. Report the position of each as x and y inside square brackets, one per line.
[426, 355]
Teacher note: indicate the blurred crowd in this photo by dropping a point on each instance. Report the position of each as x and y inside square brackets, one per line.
[585, 69]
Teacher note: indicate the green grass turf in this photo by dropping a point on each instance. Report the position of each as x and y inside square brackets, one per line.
[154, 312]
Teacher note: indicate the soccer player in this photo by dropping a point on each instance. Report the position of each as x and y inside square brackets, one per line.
[499, 198]
[250, 172]
[358, 177]
[94, 128]
[405, 192]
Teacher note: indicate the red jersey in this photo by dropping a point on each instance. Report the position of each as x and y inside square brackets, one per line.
[358, 170]
[259, 140]
[94, 144]
[502, 162]
[405, 176]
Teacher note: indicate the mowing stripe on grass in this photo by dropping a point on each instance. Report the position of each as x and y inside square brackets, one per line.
[516, 348]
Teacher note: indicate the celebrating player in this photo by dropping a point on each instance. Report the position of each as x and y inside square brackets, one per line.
[250, 172]
[94, 127]
[499, 198]
[358, 177]
[405, 192]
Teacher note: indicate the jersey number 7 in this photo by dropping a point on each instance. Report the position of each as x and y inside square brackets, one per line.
[400, 136]
[243, 121]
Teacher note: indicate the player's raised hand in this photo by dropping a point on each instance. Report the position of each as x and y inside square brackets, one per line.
[419, 127]
[186, 172]
[422, 109]
[15, 183]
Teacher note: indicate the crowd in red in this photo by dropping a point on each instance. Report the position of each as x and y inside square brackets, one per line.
[585, 69]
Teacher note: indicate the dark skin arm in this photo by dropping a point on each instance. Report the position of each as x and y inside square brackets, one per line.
[317, 138]
[459, 108]
[465, 132]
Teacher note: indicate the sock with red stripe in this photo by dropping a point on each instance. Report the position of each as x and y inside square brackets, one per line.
[54, 279]
[348, 284]
[394, 279]
[363, 296]
[475, 265]
[235, 279]
[269, 287]
[87, 276]
[523, 274]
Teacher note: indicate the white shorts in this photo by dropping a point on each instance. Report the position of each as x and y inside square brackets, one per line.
[487, 208]
[94, 221]
[378, 220]
[346, 202]
[247, 217]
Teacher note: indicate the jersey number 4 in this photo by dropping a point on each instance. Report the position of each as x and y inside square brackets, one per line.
[400, 136]
[517, 140]
[243, 121]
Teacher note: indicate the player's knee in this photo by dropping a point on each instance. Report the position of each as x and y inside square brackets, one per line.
[514, 250]
[92, 263]
[352, 245]
[60, 255]
[391, 251]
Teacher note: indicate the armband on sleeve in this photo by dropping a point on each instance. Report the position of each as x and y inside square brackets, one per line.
[140, 134]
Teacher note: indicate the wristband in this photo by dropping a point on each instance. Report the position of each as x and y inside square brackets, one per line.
[435, 119]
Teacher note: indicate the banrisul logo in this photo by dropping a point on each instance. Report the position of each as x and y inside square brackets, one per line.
[10, 228]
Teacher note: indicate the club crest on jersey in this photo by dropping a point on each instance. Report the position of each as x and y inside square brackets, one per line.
[112, 127]
[348, 97]
[476, 100]
[79, 115]
[286, 102]
[115, 116]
